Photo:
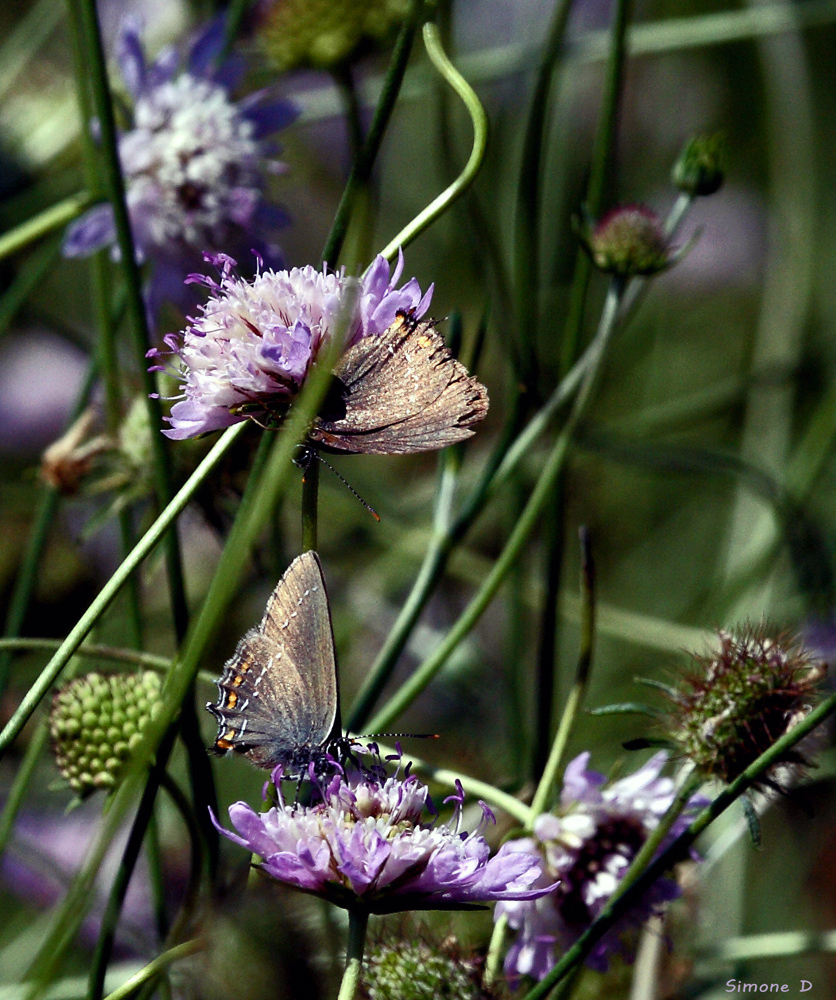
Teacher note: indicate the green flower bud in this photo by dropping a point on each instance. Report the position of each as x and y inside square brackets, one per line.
[325, 34]
[415, 970]
[91, 737]
[699, 169]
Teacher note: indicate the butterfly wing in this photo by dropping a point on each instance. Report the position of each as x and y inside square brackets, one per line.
[278, 699]
[399, 393]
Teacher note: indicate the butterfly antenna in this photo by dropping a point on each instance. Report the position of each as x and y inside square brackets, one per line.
[308, 455]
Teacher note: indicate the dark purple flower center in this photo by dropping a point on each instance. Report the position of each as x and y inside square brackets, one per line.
[616, 836]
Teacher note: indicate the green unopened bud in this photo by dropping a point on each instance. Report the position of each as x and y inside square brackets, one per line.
[627, 241]
[745, 695]
[90, 726]
[699, 169]
[325, 34]
[415, 970]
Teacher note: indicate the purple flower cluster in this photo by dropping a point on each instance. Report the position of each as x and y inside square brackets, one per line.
[364, 845]
[195, 163]
[251, 348]
[587, 847]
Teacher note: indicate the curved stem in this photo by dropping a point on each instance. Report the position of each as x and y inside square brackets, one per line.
[362, 169]
[146, 544]
[357, 923]
[153, 969]
[477, 114]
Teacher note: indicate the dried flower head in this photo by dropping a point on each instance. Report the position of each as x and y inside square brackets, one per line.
[744, 695]
[95, 723]
[628, 241]
[195, 164]
[66, 462]
[326, 34]
[249, 352]
[587, 847]
[699, 170]
[365, 844]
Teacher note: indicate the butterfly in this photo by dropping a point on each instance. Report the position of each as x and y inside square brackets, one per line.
[278, 699]
[399, 393]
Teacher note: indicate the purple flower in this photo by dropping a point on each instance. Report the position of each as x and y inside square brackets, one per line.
[194, 163]
[588, 847]
[364, 845]
[250, 351]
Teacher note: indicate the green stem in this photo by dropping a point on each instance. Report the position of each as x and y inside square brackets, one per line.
[153, 969]
[529, 193]
[38, 226]
[439, 205]
[602, 155]
[362, 169]
[518, 537]
[578, 692]
[29, 277]
[20, 785]
[310, 496]
[357, 924]
[102, 601]
[161, 464]
[93, 650]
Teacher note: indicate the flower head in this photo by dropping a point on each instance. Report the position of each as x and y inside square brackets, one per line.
[365, 844]
[627, 241]
[195, 163]
[587, 847]
[250, 350]
[96, 721]
[746, 693]
[325, 34]
[419, 970]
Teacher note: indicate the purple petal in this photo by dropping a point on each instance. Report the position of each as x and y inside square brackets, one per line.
[131, 56]
[94, 230]
[267, 118]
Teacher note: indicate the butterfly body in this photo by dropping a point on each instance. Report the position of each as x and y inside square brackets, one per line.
[278, 700]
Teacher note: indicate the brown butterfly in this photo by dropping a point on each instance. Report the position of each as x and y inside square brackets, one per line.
[399, 393]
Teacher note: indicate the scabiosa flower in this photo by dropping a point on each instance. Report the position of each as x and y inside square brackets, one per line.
[587, 847]
[745, 695]
[249, 351]
[364, 845]
[195, 163]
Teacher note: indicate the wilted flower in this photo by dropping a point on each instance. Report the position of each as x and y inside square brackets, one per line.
[745, 695]
[96, 721]
[587, 848]
[69, 459]
[250, 351]
[195, 164]
[324, 34]
[364, 845]
[629, 240]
